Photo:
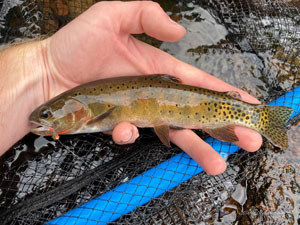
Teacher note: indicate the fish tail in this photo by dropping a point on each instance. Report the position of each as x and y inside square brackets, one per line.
[272, 124]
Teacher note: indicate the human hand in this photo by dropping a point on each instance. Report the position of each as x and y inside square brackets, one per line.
[98, 44]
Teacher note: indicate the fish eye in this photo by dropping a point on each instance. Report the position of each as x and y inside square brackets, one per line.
[46, 114]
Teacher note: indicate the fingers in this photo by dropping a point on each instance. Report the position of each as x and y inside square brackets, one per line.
[156, 23]
[200, 151]
[157, 61]
[125, 133]
[193, 76]
[141, 17]
[249, 140]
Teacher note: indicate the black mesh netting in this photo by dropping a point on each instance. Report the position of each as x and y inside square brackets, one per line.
[253, 44]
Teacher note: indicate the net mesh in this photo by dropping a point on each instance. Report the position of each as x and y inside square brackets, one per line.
[41, 179]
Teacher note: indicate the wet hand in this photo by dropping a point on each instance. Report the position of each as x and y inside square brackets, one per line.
[99, 44]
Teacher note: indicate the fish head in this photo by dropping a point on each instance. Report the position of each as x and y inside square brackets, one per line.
[59, 116]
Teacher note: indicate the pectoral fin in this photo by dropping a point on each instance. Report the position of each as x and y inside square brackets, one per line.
[101, 117]
[162, 132]
[225, 133]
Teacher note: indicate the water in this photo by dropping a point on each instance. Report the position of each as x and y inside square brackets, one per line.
[251, 46]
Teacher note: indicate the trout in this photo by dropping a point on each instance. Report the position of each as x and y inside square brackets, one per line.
[158, 101]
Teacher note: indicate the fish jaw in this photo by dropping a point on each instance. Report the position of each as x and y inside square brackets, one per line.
[41, 129]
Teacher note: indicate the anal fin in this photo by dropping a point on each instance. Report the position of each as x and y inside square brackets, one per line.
[162, 131]
[225, 133]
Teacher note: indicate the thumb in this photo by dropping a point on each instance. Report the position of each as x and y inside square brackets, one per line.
[125, 133]
[142, 17]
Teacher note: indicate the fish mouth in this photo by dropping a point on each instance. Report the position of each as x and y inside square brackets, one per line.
[40, 128]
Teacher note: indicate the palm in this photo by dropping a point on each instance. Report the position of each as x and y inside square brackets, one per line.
[96, 46]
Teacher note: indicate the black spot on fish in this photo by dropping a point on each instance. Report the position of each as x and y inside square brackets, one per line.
[220, 107]
[208, 109]
[216, 110]
[168, 86]
[215, 116]
[224, 113]
[239, 110]
[243, 114]
[196, 113]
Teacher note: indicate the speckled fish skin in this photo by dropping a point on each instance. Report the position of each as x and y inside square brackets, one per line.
[158, 101]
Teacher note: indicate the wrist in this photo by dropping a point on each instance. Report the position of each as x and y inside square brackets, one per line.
[23, 78]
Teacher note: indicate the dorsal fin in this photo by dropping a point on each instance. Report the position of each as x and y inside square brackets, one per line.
[234, 94]
[170, 78]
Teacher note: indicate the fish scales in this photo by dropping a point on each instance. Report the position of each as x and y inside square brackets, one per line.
[158, 101]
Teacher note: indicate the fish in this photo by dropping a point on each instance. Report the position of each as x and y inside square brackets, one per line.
[159, 101]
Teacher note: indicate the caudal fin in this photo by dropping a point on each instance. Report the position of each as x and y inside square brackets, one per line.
[273, 120]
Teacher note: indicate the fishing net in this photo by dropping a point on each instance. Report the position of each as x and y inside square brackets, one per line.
[252, 44]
